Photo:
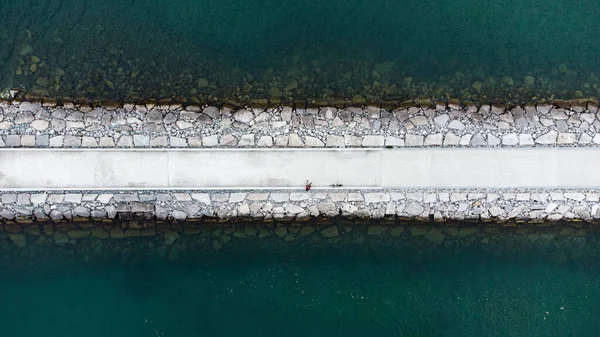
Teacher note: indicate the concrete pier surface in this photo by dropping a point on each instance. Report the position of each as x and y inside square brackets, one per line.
[47, 169]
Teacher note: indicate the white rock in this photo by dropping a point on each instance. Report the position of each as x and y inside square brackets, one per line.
[293, 209]
[210, 140]
[525, 139]
[565, 138]
[510, 139]
[451, 139]
[335, 141]
[246, 140]
[350, 140]
[493, 140]
[373, 141]
[456, 125]
[394, 141]
[585, 138]
[313, 142]
[202, 197]
[178, 142]
[265, 141]
[548, 138]
[413, 140]
[465, 140]
[184, 125]
[243, 116]
[434, 140]
[441, 120]
[295, 141]
[376, 197]
[40, 125]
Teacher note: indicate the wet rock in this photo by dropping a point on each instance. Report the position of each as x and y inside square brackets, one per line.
[330, 232]
[435, 236]
[376, 230]
[171, 237]
[20, 240]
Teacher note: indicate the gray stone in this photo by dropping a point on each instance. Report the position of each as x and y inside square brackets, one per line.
[313, 142]
[549, 138]
[246, 140]
[98, 214]
[177, 142]
[510, 139]
[141, 140]
[350, 140]
[111, 212]
[413, 140]
[81, 211]
[106, 142]
[493, 140]
[74, 198]
[72, 141]
[377, 197]
[456, 125]
[373, 141]
[28, 140]
[451, 139]
[478, 140]
[280, 197]
[58, 125]
[13, 140]
[56, 215]
[170, 118]
[243, 116]
[566, 138]
[441, 120]
[295, 141]
[129, 197]
[394, 141]
[562, 126]
[265, 141]
[154, 116]
[24, 118]
[179, 215]
[525, 139]
[88, 142]
[23, 199]
[335, 141]
[434, 139]
[210, 141]
[419, 120]
[414, 209]
[574, 196]
[40, 125]
[227, 140]
[125, 141]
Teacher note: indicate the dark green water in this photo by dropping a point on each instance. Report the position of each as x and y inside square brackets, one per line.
[484, 50]
[337, 291]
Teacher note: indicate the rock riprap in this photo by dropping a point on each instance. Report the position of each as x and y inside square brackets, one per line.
[30, 124]
[292, 205]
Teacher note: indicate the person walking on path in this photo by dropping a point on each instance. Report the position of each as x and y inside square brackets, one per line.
[308, 185]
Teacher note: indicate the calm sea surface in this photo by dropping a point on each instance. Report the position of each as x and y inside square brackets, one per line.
[356, 290]
[516, 50]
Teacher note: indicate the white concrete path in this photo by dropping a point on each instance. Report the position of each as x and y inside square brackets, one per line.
[290, 168]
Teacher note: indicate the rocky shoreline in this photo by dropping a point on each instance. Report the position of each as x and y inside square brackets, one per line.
[411, 124]
[499, 206]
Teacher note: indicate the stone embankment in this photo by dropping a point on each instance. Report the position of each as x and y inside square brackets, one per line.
[31, 124]
[27, 124]
[500, 206]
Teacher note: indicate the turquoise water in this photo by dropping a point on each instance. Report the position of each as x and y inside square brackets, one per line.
[216, 50]
[351, 290]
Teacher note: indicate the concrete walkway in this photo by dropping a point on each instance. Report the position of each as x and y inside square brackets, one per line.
[288, 168]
